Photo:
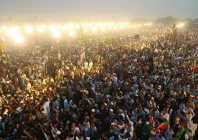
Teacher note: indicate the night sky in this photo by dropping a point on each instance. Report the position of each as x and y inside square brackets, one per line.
[86, 9]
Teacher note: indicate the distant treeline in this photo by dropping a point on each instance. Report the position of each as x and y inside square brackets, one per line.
[165, 20]
[169, 21]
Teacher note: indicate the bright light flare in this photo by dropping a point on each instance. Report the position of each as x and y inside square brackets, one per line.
[56, 33]
[18, 38]
[28, 29]
[64, 27]
[16, 28]
[71, 33]
[41, 29]
[77, 26]
[103, 29]
[94, 29]
[3, 28]
[11, 32]
[52, 27]
[71, 26]
[85, 30]
[180, 25]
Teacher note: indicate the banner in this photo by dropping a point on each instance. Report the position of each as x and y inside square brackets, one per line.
[193, 68]
[2, 47]
[3, 54]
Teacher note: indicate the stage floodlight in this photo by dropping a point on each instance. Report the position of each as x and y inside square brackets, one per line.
[28, 29]
[18, 38]
[71, 33]
[41, 29]
[56, 33]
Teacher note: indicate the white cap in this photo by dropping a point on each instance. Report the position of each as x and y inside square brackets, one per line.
[87, 138]
[192, 96]
[93, 110]
[50, 89]
[111, 110]
[112, 123]
[147, 122]
[153, 132]
[58, 132]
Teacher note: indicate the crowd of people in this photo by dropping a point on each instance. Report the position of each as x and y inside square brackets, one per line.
[110, 88]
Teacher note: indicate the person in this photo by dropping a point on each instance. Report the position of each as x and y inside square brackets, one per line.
[191, 127]
[160, 137]
[169, 133]
[176, 126]
[93, 131]
[86, 129]
[195, 100]
[164, 116]
[129, 84]
[152, 135]
[182, 108]
[146, 131]
[156, 112]
[155, 123]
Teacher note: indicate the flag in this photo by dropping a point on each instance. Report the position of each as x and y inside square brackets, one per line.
[162, 127]
[193, 68]
[124, 56]
[4, 58]
[2, 47]
[151, 117]
[181, 132]
[3, 54]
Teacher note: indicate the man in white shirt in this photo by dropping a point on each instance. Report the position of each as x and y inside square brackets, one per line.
[86, 65]
[114, 78]
[28, 86]
[164, 116]
[66, 105]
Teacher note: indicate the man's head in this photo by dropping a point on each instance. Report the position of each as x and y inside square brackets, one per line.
[160, 135]
[177, 120]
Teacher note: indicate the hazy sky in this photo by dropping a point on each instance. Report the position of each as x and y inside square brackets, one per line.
[83, 9]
